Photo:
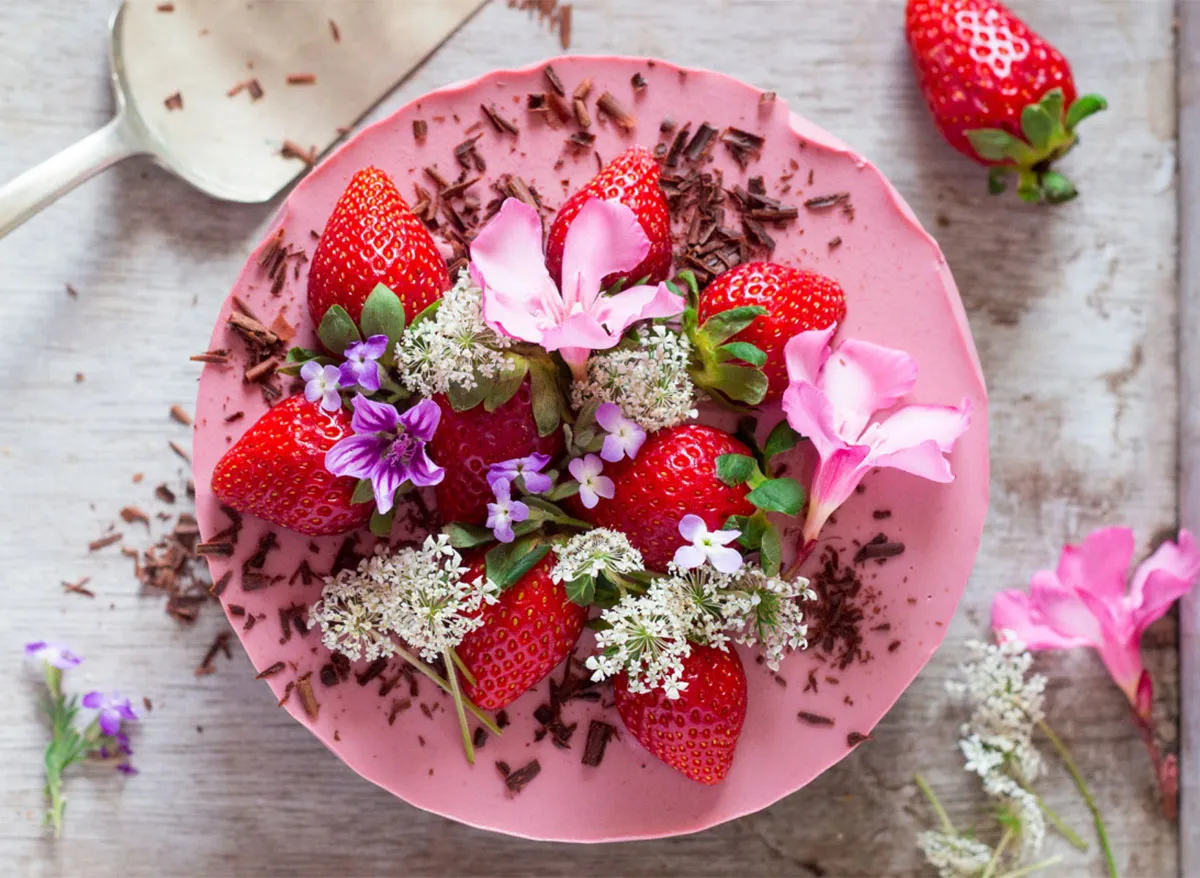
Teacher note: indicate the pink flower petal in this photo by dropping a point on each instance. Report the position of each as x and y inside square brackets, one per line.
[861, 378]
[806, 353]
[619, 312]
[604, 238]
[834, 481]
[1162, 579]
[810, 414]
[1123, 659]
[1011, 612]
[1100, 564]
[1065, 610]
[692, 527]
[508, 264]
[915, 439]
[580, 330]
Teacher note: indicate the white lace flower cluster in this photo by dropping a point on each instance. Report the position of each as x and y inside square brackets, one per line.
[649, 382]
[454, 347]
[422, 596]
[650, 635]
[593, 553]
[954, 855]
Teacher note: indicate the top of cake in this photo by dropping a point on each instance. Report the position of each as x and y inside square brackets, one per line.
[602, 338]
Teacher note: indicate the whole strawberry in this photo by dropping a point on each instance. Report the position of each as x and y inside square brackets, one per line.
[796, 301]
[674, 474]
[632, 179]
[697, 732]
[372, 237]
[277, 471]
[467, 443]
[525, 635]
[999, 93]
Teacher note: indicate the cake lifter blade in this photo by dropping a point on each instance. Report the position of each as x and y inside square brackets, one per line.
[238, 98]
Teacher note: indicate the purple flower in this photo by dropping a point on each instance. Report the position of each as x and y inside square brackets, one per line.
[592, 486]
[505, 511]
[388, 448]
[126, 768]
[54, 654]
[624, 437]
[113, 709]
[527, 468]
[361, 368]
[321, 385]
[707, 545]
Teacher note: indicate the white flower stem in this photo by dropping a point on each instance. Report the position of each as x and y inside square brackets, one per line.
[927, 790]
[1065, 831]
[461, 665]
[1034, 867]
[1005, 840]
[1069, 763]
[488, 722]
[468, 746]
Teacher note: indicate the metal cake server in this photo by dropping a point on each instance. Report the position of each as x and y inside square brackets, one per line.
[202, 86]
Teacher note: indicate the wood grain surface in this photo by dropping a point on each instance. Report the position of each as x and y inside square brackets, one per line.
[1074, 312]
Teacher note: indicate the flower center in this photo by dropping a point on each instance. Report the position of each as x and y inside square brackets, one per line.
[401, 449]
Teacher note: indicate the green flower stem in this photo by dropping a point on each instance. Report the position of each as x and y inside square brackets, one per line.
[58, 802]
[462, 667]
[488, 722]
[927, 790]
[1035, 867]
[1069, 762]
[468, 745]
[1065, 831]
[1005, 839]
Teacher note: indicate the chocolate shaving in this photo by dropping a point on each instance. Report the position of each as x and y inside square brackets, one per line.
[174, 101]
[308, 698]
[95, 545]
[837, 616]
[335, 31]
[372, 671]
[519, 779]
[611, 107]
[165, 7]
[767, 97]
[220, 644]
[420, 129]
[214, 548]
[293, 150]
[559, 107]
[564, 26]
[329, 675]
[824, 202]
[179, 413]
[552, 78]
[79, 587]
[399, 705]
[700, 142]
[742, 145]
[502, 125]
[72, 292]
[855, 738]
[835, 242]
[677, 146]
[131, 514]
[582, 117]
[814, 719]
[277, 668]
[219, 357]
[179, 450]
[597, 740]
[638, 82]
[583, 89]
[582, 140]
[880, 548]
[480, 737]
[301, 78]
[165, 494]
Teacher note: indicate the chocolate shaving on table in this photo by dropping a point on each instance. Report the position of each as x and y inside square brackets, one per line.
[880, 548]
[251, 85]
[519, 779]
[165, 7]
[501, 124]
[301, 79]
[855, 738]
[174, 101]
[164, 493]
[102, 542]
[564, 26]
[220, 644]
[179, 413]
[608, 105]
[218, 357]
[335, 31]
[271, 671]
[815, 719]
[597, 740]
[72, 292]
[131, 514]
[308, 698]
[179, 450]
[79, 587]
[293, 150]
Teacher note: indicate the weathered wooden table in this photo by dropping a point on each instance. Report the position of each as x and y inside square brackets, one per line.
[1074, 312]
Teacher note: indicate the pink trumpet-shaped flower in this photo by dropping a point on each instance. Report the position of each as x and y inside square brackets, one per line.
[521, 300]
[831, 400]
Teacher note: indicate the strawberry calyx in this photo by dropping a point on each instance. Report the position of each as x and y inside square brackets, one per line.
[1047, 134]
[728, 371]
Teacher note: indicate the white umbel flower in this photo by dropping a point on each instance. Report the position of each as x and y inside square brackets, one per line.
[769, 614]
[954, 855]
[593, 553]
[454, 347]
[649, 382]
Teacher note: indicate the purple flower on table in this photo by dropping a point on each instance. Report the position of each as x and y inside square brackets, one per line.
[321, 385]
[625, 437]
[388, 448]
[505, 512]
[527, 468]
[361, 367]
[54, 654]
[592, 485]
[113, 709]
[126, 768]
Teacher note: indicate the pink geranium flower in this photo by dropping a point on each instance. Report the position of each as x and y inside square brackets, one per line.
[521, 300]
[831, 400]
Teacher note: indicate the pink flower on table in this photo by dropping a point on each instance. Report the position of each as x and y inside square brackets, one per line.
[521, 300]
[831, 400]
[1085, 603]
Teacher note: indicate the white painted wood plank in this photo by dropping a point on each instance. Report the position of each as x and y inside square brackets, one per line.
[1074, 311]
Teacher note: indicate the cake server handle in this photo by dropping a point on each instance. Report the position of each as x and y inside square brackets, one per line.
[46, 183]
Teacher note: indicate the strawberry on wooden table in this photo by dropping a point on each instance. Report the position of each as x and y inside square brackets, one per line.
[674, 474]
[530, 629]
[796, 301]
[632, 179]
[999, 93]
[372, 238]
[277, 471]
[697, 732]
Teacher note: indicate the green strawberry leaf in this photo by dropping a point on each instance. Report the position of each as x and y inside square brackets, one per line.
[1037, 125]
[337, 331]
[783, 438]
[736, 469]
[543, 510]
[581, 591]
[563, 490]
[462, 399]
[381, 523]
[302, 355]
[723, 326]
[770, 550]
[1052, 103]
[736, 522]
[507, 563]
[753, 529]
[1057, 188]
[997, 180]
[744, 351]
[741, 383]
[1029, 189]
[778, 495]
[1088, 105]
[364, 492]
[467, 536]
[507, 383]
[383, 314]
[547, 401]
[428, 313]
[689, 279]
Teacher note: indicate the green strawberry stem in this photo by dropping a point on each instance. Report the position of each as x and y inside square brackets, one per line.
[451, 662]
[1047, 134]
[487, 722]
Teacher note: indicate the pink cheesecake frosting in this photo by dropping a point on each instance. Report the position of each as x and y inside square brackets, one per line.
[818, 707]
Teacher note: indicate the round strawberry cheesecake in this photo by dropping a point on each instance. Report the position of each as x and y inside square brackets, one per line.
[598, 432]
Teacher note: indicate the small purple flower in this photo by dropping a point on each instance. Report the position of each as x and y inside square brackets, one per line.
[126, 768]
[592, 486]
[707, 545]
[505, 511]
[388, 448]
[527, 468]
[113, 709]
[625, 437]
[361, 368]
[321, 385]
[54, 654]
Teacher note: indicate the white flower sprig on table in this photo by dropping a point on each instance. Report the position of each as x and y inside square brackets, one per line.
[426, 598]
